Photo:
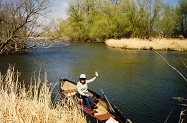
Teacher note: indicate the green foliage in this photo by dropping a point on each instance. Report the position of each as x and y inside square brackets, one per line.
[167, 22]
[97, 20]
[99, 30]
[181, 24]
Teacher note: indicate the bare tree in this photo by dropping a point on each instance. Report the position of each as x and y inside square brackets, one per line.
[18, 21]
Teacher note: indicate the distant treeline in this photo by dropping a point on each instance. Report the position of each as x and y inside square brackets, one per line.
[98, 20]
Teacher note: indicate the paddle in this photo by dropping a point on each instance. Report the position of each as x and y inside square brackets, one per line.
[107, 100]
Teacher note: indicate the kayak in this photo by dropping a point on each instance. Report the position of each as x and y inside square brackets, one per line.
[105, 112]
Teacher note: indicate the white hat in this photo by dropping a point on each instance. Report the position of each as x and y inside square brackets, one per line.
[82, 76]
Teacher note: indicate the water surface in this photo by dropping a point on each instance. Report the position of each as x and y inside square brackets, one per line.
[139, 83]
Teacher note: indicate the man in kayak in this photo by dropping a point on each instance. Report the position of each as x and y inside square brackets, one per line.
[83, 93]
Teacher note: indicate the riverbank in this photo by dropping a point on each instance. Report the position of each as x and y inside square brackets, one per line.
[28, 105]
[155, 44]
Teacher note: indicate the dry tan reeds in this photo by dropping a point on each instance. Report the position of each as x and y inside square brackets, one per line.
[154, 44]
[21, 105]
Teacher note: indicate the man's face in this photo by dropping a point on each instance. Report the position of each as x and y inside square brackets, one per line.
[82, 80]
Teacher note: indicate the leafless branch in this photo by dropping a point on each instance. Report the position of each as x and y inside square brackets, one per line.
[19, 18]
[179, 98]
[183, 63]
[169, 115]
[172, 66]
[181, 119]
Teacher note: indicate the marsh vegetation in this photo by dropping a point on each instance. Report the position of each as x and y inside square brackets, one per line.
[19, 104]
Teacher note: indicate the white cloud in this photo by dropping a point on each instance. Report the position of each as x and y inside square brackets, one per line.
[59, 9]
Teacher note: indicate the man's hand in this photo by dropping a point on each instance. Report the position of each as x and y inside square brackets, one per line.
[96, 74]
[86, 95]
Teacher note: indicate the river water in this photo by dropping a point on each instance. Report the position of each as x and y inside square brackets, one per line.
[139, 83]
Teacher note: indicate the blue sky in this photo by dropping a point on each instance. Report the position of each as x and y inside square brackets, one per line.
[172, 2]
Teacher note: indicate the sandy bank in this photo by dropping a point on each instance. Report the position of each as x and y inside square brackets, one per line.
[155, 44]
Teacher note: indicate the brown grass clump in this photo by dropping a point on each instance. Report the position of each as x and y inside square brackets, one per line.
[155, 44]
[21, 105]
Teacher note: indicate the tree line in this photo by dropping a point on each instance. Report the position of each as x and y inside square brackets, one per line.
[91, 20]
[98, 20]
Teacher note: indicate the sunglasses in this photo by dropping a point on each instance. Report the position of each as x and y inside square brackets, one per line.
[82, 78]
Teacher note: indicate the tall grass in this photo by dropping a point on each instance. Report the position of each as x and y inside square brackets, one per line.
[19, 104]
[154, 44]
